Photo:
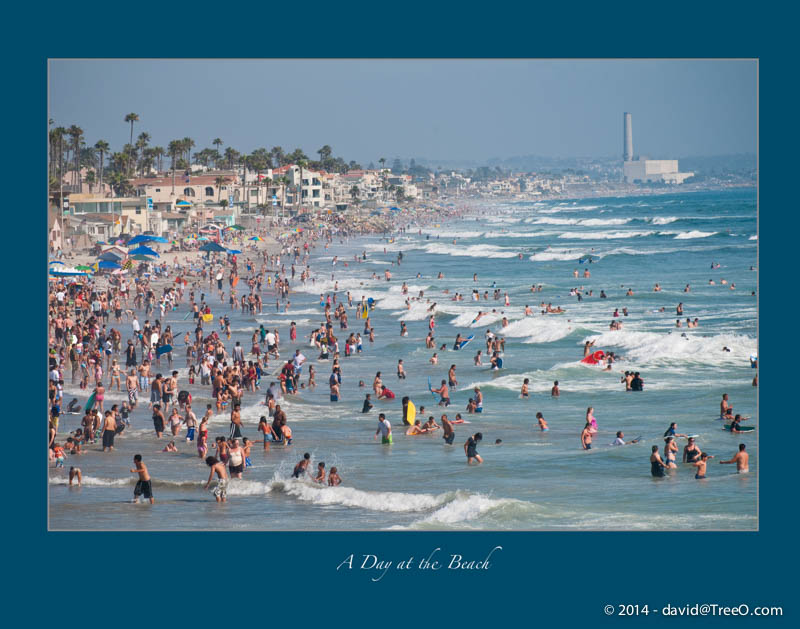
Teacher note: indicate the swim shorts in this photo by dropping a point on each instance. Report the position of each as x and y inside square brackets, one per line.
[190, 434]
[221, 490]
[143, 487]
[236, 469]
[386, 440]
[448, 439]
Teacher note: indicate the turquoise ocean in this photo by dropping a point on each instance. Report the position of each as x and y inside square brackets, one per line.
[532, 480]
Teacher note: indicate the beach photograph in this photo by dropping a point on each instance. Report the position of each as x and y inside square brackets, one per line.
[402, 295]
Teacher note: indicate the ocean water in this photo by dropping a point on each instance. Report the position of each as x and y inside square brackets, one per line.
[532, 480]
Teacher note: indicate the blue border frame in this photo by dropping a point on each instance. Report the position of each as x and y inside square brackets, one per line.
[558, 577]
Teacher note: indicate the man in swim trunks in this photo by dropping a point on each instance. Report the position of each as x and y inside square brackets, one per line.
[144, 484]
[724, 407]
[221, 490]
[444, 393]
[384, 429]
[742, 460]
[449, 433]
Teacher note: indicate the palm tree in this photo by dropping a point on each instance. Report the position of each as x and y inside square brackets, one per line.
[188, 145]
[141, 142]
[232, 155]
[158, 153]
[101, 146]
[243, 162]
[76, 133]
[354, 193]
[174, 149]
[220, 181]
[131, 118]
[382, 162]
[90, 179]
[217, 143]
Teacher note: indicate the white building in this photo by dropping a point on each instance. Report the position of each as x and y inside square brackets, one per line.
[653, 170]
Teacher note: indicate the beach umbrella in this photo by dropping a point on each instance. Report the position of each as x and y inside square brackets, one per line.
[139, 257]
[212, 246]
[56, 262]
[183, 203]
[107, 264]
[139, 239]
[395, 209]
[143, 250]
[202, 238]
[233, 251]
[257, 238]
[83, 267]
[237, 227]
[158, 239]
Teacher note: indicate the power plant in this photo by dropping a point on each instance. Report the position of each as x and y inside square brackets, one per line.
[646, 170]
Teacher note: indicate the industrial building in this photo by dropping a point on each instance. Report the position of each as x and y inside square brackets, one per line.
[638, 170]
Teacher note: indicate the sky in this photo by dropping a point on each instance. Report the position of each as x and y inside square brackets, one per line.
[466, 109]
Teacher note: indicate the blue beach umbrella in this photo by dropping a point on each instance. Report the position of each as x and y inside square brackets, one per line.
[139, 239]
[107, 264]
[212, 246]
[143, 250]
[233, 251]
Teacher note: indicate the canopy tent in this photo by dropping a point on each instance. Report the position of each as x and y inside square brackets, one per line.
[183, 203]
[107, 264]
[140, 257]
[143, 250]
[68, 271]
[109, 256]
[158, 239]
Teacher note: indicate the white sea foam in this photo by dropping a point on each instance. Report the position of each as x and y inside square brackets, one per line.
[656, 347]
[662, 220]
[396, 502]
[605, 235]
[693, 234]
[555, 253]
[588, 222]
[471, 251]
[541, 329]
[753, 237]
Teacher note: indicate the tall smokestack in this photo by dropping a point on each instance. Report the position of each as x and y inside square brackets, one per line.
[627, 151]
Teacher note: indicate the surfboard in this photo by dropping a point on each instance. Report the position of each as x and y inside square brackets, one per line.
[164, 349]
[208, 317]
[741, 428]
[411, 414]
[188, 314]
[430, 388]
[89, 403]
[235, 281]
[464, 343]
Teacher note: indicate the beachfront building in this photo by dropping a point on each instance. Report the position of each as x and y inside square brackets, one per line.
[195, 188]
[55, 230]
[309, 182]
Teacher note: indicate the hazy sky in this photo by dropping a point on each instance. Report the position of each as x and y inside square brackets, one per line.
[436, 109]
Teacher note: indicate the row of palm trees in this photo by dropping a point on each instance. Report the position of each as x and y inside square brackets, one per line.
[69, 154]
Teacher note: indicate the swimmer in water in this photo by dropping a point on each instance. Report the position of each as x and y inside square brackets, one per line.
[524, 391]
[542, 423]
[742, 460]
[701, 466]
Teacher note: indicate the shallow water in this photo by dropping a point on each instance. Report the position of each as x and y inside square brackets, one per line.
[533, 480]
